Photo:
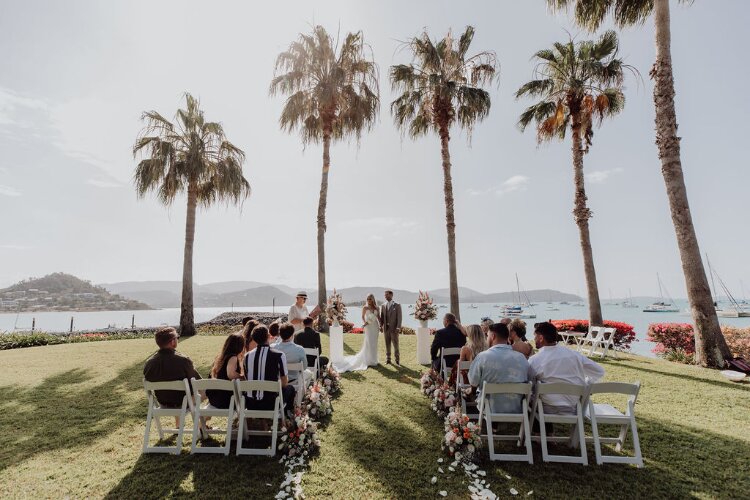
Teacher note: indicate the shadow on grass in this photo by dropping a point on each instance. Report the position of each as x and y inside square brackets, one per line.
[400, 374]
[683, 377]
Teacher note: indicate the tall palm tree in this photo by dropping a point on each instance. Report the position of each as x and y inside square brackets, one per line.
[710, 347]
[331, 95]
[442, 87]
[193, 156]
[578, 84]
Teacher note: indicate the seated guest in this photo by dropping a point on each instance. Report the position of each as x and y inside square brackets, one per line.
[294, 353]
[273, 333]
[557, 363]
[167, 365]
[310, 339]
[226, 367]
[450, 336]
[247, 334]
[264, 363]
[476, 343]
[517, 329]
[500, 364]
[485, 324]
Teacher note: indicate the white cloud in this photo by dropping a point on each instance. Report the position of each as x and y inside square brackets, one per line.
[514, 183]
[601, 176]
[14, 247]
[9, 191]
[379, 223]
[13, 104]
[103, 183]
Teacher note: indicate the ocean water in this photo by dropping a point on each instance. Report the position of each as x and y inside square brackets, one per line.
[60, 321]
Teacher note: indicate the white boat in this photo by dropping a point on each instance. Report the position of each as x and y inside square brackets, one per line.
[516, 310]
[472, 306]
[629, 302]
[734, 309]
[661, 306]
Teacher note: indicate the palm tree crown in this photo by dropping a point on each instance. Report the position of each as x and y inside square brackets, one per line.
[193, 152]
[583, 79]
[329, 93]
[442, 85]
[591, 13]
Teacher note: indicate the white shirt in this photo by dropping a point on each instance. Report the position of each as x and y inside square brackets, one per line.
[300, 313]
[559, 364]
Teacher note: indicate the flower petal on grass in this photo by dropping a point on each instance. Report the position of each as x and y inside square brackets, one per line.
[513, 491]
[433, 480]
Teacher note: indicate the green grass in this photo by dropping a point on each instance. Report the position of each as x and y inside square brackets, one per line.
[72, 419]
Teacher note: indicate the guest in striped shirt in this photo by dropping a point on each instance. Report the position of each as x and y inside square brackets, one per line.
[264, 363]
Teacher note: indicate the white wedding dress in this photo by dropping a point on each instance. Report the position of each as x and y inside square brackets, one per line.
[368, 355]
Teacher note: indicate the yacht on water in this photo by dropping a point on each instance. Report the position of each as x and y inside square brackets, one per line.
[735, 309]
[661, 306]
[516, 310]
[629, 301]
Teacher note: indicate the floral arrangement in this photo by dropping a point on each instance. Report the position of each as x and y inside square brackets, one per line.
[624, 334]
[331, 380]
[335, 308]
[444, 398]
[299, 436]
[424, 309]
[429, 382]
[317, 402]
[462, 437]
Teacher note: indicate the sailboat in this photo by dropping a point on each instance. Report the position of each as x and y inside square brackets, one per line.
[735, 310]
[661, 306]
[629, 302]
[516, 310]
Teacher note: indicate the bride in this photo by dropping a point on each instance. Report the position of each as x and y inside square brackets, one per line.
[368, 355]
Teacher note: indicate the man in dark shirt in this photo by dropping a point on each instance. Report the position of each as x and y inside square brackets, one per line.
[167, 365]
[310, 339]
[264, 363]
[450, 336]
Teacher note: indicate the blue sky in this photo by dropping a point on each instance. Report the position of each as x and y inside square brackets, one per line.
[76, 76]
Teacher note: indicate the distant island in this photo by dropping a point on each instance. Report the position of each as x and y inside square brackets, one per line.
[63, 292]
[162, 294]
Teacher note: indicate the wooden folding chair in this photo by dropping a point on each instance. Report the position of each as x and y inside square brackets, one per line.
[445, 370]
[606, 414]
[486, 414]
[210, 411]
[580, 392]
[605, 342]
[275, 415]
[591, 337]
[155, 412]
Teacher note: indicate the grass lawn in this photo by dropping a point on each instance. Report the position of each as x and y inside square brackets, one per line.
[72, 419]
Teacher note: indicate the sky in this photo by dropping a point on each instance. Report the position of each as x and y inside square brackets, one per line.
[75, 77]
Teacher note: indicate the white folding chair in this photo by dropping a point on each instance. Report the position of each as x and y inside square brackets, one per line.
[211, 411]
[155, 412]
[469, 408]
[299, 383]
[447, 351]
[605, 341]
[606, 414]
[313, 351]
[580, 392]
[275, 415]
[591, 336]
[486, 414]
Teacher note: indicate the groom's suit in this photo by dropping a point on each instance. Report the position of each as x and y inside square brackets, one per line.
[390, 323]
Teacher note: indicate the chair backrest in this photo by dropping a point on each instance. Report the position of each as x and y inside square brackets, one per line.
[296, 368]
[312, 351]
[608, 334]
[464, 365]
[593, 332]
[450, 351]
[523, 388]
[561, 388]
[615, 388]
[172, 385]
[258, 385]
[212, 384]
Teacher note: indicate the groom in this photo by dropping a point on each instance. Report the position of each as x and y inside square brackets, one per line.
[390, 325]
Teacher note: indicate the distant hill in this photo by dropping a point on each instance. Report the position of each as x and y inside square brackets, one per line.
[253, 293]
[63, 292]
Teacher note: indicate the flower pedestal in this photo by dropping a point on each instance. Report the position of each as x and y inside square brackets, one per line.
[336, 345]
[423, 344]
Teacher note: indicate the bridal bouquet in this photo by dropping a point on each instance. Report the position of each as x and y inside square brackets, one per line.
[429, 382]
[335, 308]
[424, 309]
[317, 402]
[444, 398]
[331, 379]
[299, 437]
[462, 437]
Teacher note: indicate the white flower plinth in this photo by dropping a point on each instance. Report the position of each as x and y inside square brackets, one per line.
[336, 347]
[423, 346]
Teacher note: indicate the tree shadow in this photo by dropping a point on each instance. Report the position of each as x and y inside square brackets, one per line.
[400, 374]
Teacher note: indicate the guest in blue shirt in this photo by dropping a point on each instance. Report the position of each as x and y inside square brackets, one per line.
[500, 364]
[294, 353]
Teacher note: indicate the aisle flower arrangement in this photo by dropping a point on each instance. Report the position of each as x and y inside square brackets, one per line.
[424, 309]
[331, 380]
[317, 402]
[462, 437]
[335, 308]
[430, 381]
[444, 398]
[299, 438]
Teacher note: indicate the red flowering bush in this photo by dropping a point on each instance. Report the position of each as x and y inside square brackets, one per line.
[674, 341]
[358, 329]
[624, 334]
[738, 340]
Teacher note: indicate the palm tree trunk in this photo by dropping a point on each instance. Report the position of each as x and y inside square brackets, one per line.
[710, 346]
[187, 322]
[582, 214]
[450, 222]
[322, 201]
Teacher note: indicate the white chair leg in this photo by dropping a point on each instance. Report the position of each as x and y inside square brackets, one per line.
[597, 443]
[636, 443]
[194, 440]
[527, 434]
[621, 438]
[542, 431]
[158, 428]
[582, 438]
[149, 417]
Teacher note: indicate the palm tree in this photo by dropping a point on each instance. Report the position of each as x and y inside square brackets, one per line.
[710, 347]
[330, 96]
[192, 156]
[440, 88]
[578, 84]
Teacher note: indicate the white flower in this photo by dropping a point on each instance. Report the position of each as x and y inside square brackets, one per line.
[513, 491]
[443, 493]
[433, 480]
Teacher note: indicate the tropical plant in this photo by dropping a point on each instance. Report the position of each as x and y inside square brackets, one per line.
[331, 95]
[711, 347]
[578, 84]
[442, 87]
[193, 156]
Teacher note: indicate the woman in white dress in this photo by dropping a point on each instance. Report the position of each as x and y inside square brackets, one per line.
[368, 355]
